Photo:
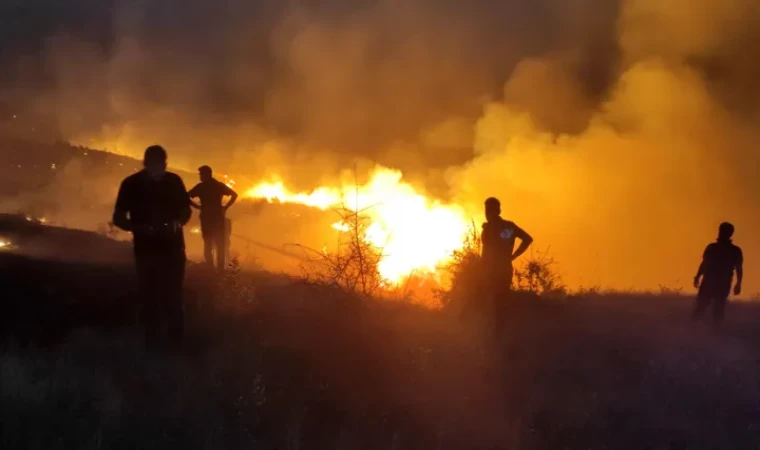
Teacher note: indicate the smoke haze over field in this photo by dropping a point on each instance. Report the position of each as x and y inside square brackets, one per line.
[621, 133]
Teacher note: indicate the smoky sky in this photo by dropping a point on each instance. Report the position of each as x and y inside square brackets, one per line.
[351, 76]
[388, 68]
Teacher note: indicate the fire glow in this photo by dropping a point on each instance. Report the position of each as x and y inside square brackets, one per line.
[229, 182]
[414, 233]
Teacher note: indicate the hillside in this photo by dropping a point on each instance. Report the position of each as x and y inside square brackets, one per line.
[75, 187]
[28, 165]
[273, 363]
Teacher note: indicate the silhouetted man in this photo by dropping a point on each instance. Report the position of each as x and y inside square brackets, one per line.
[153, 205]
[498, 239]
[715, 274]
[211, 191]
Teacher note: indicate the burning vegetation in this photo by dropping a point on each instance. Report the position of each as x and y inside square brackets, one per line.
[413, 234]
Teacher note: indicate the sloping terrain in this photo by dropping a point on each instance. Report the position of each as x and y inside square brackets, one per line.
[271, 362]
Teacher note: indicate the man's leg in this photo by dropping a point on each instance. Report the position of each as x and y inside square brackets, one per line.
[505, 297]
[221, 253]
[719, 308]
[227, 237]
[501, 298]
[700, 305]
[149, 296]
[174, 301]
[498, 311]
[208, 248]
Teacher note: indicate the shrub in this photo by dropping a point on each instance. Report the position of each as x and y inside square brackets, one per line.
[535, 275]
[353, 266]
[463, 272]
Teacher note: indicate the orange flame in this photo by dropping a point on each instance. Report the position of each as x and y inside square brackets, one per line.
[416, 234]
[321, 198]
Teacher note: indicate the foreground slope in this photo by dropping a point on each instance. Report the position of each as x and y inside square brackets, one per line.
[274, 363]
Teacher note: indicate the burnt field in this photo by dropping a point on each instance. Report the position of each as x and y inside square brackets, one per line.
[272, 362]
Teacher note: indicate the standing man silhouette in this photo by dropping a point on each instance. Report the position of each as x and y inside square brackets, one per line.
[213, 227]
[716, 273]
[153, 205]
[498, 239]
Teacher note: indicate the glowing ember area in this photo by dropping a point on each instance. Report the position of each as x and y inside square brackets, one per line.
[4, 244]
[416, 234]
[229, 182]
[40, 220]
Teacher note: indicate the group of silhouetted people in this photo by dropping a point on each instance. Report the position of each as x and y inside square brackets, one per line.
[154, 205]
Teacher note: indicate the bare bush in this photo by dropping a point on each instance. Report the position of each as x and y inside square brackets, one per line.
[353, 266]
[537, 275]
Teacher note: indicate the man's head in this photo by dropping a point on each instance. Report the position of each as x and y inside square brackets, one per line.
[205, 173]
[155, 161]
[725, 231]
[493, 208]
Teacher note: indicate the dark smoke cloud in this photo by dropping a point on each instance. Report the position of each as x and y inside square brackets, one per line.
[622, 132]
[352, 77]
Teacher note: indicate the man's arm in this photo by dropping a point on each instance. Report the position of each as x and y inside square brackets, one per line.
[739, 274]
[701, 269]
[183, 203]
[233, 197]
[700, 273]
[121, 209]
[193, 193]
[525, 241]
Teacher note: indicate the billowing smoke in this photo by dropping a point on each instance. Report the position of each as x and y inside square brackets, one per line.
[619, 133]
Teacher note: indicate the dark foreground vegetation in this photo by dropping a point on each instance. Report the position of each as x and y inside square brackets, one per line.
[274, 363]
